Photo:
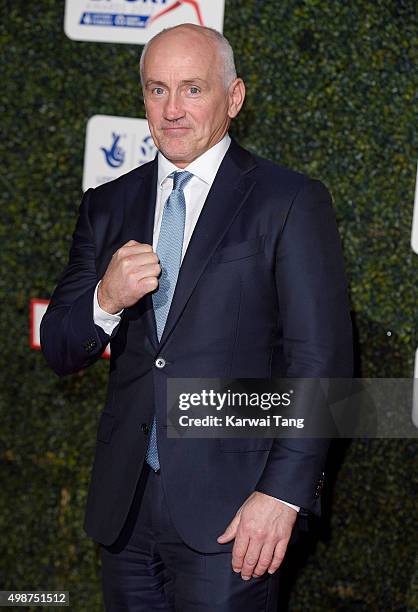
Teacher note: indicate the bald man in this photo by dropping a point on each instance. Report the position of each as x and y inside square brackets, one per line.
[206, 262]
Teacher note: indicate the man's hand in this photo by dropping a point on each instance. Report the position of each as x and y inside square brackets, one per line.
[132, 272]
[262, 528]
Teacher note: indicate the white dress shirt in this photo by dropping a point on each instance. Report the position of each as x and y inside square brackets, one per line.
[204, 170]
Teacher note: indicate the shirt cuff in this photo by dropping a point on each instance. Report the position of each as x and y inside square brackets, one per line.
[104, 319]
[297, 508]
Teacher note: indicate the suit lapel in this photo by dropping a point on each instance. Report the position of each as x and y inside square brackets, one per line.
[227, 195]
[139, 224]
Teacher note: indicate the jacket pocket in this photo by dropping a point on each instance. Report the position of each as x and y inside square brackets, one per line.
[106, 425]
[240, 250]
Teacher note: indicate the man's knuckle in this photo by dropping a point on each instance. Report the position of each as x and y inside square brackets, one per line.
[264, 562]
[151, 281]
[132, 279]
[259, 534]
[250, 560]
[240, 545]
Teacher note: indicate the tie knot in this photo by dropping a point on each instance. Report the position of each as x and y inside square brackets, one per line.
[180, 179]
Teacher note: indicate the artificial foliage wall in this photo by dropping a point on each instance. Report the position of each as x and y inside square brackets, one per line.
[332, 92]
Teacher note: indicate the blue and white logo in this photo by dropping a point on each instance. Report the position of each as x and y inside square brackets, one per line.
[136, 21]
[121, 19]
[147, 150]
[114, 146]
[115, 156]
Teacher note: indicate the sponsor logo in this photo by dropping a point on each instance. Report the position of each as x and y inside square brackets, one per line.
[114, 146]
[176, 5]
[136, 21]
[131, 20]
[147, 150]
[115, 156]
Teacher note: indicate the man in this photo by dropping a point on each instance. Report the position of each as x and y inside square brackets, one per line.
[206, 262]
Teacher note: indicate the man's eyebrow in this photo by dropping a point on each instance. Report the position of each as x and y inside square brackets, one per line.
[152, 82]
[195, 80]
[183, 82]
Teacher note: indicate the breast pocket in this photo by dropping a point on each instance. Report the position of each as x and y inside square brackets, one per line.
[239, 250]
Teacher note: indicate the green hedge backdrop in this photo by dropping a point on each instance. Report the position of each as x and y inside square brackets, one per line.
[332, 92]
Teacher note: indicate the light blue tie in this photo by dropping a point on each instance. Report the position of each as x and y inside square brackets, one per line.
[169, 249]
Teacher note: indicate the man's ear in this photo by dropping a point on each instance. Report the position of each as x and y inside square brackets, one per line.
[236, 97]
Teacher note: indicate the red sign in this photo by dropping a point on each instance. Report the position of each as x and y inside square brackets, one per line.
[37, 310]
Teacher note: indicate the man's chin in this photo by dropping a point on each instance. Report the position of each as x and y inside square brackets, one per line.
[177, 154]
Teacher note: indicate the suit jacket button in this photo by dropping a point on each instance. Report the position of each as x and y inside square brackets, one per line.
[144, 429]
[90, 345]
[160, 363]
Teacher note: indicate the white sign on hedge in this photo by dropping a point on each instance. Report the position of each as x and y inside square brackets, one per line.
[37, 310]
[414, 244]
[414, 235]
[114, 146]
[136, 21]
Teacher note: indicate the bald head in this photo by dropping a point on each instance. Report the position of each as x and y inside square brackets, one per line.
[202, 36]
[191, 92]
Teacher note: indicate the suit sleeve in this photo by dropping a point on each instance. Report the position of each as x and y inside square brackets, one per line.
[70, 340]
[317, 334]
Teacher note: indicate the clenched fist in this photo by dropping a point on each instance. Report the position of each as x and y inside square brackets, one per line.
[132, 272]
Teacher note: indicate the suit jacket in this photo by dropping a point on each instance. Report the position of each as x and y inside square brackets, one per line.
[261, 293]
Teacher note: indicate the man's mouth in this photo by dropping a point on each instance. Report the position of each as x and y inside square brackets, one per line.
[175, 132]
[174, 128]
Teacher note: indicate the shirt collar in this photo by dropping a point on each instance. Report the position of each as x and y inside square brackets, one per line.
[204, 167]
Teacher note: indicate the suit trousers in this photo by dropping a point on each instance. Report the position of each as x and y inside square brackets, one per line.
[150, 568]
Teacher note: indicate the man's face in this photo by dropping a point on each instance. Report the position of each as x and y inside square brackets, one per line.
[188, 107]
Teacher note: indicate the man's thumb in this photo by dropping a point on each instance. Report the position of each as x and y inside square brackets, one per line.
[230, 532]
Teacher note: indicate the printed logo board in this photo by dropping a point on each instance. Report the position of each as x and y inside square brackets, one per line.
[114, 146]
[136, 21]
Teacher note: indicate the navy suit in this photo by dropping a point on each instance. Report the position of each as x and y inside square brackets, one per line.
[261, 293]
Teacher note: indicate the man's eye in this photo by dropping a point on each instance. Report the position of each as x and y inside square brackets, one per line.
[194, 90]
[158, 91]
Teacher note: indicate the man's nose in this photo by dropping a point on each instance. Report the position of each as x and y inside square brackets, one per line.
[173, 109]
